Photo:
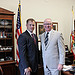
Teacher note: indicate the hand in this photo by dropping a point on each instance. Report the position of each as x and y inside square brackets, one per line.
[60, 66]
[27, 71]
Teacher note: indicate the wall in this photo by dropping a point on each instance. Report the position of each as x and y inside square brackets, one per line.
[58, 10]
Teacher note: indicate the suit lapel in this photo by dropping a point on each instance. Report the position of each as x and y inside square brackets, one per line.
[50, 38]
[44, 39]
[31, 37]
[28, 33]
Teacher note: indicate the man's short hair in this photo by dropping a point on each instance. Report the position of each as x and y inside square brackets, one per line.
[30, 19]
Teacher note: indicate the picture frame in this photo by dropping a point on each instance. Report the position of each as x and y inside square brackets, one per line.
[40, 29]
[55, 26]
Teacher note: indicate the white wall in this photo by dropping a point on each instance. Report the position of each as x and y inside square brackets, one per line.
[58, 10]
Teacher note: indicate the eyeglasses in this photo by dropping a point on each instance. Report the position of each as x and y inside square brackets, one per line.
[47, 23]
[31, 24]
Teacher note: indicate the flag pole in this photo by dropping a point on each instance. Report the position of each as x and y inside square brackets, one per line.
[20, 14]
[19, 1]
[72, 24]
[72, 19]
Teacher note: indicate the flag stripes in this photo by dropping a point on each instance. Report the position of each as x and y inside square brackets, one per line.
[18, 31]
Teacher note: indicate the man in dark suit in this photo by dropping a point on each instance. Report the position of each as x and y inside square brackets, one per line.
[28, 50]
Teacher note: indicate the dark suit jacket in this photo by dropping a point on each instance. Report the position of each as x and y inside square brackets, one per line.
[28, 52]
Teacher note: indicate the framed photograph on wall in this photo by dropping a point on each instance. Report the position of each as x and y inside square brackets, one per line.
[55, 26]
[40, 29]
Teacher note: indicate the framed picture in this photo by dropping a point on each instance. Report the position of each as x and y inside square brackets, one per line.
[55, 26]
[40, 29]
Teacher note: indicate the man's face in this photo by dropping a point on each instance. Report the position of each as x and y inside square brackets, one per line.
[30, 26]
[47, 25]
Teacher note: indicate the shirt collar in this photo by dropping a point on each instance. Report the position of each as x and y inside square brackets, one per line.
[29, 32]
[49, 31]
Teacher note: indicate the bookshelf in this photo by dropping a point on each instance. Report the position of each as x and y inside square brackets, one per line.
[7, 55]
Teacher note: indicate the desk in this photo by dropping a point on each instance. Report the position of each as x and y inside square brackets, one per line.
[70, 72]
[73, 70]
[66, 73]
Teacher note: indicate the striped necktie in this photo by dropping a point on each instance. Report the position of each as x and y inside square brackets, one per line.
[46, 38]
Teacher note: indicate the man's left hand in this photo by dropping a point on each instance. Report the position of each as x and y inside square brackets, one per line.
[60, 66]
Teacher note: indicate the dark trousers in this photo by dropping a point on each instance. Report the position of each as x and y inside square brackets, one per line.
[33, 73]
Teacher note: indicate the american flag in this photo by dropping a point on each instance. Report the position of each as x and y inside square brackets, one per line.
[72, 35]
[18, 31]
[72, 43]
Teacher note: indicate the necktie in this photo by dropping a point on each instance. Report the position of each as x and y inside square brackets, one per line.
[46, 38]
[33, 38]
